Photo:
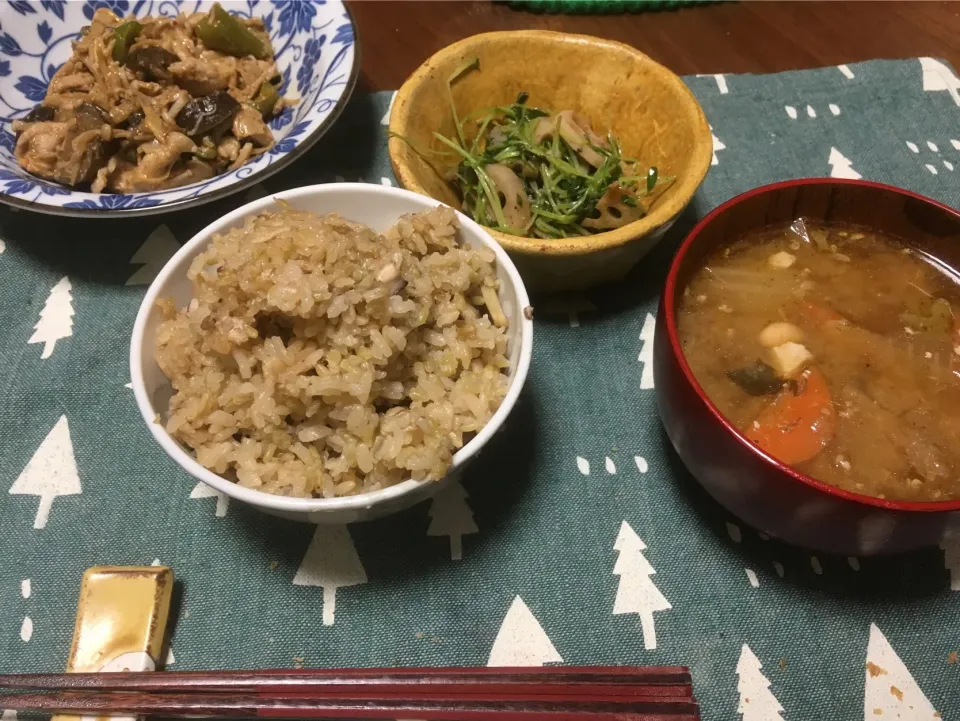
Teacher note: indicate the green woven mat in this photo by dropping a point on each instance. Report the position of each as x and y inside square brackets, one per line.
[576, 538]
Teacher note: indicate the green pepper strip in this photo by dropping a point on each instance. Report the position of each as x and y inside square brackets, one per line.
[206, 150]
[124, 35]
[224, 33]
[652, 178]
[266, 99]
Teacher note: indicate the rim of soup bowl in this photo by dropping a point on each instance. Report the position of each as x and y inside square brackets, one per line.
[670, 289]
[360, 501]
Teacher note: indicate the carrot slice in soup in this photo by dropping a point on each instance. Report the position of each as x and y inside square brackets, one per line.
[796, 426]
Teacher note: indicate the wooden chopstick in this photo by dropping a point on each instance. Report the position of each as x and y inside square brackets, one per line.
[611, 695]
[399, 679]
[265, 706]
[600, 693]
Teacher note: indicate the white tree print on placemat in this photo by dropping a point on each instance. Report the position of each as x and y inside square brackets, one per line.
[646, 352]
[937, 77]
[156, 250]
[56, 318]
[451, 516]
[521, 640]
[720, 80]
[202, 490]
[637, 592]
[757, 702]
[8, 716]
[26, 629]
[570, 305]
[169, 659]
[3, 247]
[890, 691]
[951, 558]
[385, 120]
[717, 146]
[51, 472]
[331, 562]
[841, 167]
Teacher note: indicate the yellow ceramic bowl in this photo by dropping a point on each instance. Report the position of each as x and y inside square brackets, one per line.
[617, 88]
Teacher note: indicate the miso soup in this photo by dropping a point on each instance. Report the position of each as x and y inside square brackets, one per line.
[837, 351]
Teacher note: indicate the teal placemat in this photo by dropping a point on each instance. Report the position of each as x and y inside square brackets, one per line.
[582, 540]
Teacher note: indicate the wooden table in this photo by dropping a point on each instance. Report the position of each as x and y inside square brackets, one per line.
[745, 37]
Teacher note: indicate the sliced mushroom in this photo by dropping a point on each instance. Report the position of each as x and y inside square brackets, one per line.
[89, 116]
[40, 114]
[93, 157]
[202, 115]
[152, 63]
[83, 152]
[516, 205]
[132, 120]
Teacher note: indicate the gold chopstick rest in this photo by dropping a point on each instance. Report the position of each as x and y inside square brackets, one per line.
[121, 620]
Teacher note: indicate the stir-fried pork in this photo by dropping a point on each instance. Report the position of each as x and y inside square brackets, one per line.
[150, 103]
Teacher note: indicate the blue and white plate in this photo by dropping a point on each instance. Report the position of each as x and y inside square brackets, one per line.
[315, 45]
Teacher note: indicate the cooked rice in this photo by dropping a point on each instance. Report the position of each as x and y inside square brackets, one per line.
[322, 359]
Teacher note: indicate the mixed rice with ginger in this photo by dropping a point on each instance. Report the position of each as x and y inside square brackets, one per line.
[320, 358]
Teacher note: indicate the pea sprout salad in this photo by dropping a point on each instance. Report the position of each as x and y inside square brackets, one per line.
[529, 171]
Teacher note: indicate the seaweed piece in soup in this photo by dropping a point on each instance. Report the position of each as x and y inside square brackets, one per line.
[757, 379]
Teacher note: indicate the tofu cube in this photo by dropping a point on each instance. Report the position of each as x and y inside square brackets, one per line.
[779, 333]
[789, 358]
[781, 260]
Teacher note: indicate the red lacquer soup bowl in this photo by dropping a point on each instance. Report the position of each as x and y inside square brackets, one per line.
[765, 493]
